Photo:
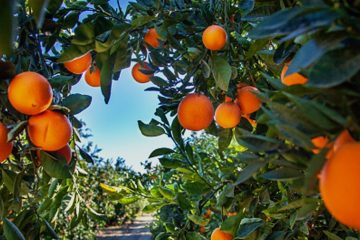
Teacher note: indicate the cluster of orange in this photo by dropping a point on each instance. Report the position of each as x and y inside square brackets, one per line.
[31, 94]
[196, 112]
[83, 64]
[339, 177]
[217, 234]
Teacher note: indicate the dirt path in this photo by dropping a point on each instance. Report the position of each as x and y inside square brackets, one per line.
[137, 231]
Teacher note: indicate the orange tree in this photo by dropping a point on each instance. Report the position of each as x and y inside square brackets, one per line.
[291, 67]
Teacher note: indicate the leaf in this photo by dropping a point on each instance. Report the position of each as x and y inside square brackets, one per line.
[84, 34]
[150, 130]
[39, 10]
[77, 103]
[225, 137]
[221, 71]
[194, 236]
[246, 6]
[248, 226]
[108, 188]
[86, 156]
[56, 168]
[231, 224]
[167, 193]
[128, 200]
[170, 163]
[51, 230]
[141, 20]
[11, 231]
[74, 51]
[283, 174]
[106, 64]
[161, 151]
[16, 130]
[332, 236]
[8, 23]
[248, 171]
[199, 220]
[334, 68]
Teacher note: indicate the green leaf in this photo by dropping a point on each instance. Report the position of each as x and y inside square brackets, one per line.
[8, 23]
[16, 130]
[39, 10]
[167, 193]
[56, 168]
[199, 220]
[170, 163]
[84, 34]
[77, 103]
[246, 6]
[51, 230]
[150, 130]
[194, 236]
[11, 231]
[86, 156]
[221, 71]
[106, 64]
[248, 171]
[128, 200]
[160, 152]
[283, 174]
[332, 236]
[225, 137]
[142, 20]
[231, 224]
[248, 226]
[74, 51]
[334, 68]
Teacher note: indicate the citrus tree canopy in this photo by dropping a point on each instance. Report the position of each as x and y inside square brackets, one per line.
[274, 85]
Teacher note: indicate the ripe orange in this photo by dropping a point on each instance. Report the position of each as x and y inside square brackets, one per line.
[344, 137]
[195, 112]
[247, 99]
[220, 235]
[93, 78]
[30, 93]
[292, 79]
[208, 213]
[339, 186]
[228, 115]
[65, 152]
[79, 64]
[5, 146]
[230, 214]
[214, 37]
[49, 130]
[139, 76]
[152, 38]
[319, 143]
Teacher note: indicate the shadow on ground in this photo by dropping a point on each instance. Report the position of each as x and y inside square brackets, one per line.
[137, 231]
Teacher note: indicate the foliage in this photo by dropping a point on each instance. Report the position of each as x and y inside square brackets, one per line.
[266, 173]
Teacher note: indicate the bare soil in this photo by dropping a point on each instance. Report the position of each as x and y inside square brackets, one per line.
[139, 230]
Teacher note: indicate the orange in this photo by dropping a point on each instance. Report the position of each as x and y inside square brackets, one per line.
[139, 76]
[220, 235]
[344, 137]
[208, 213]
[230, 214]
[214, 37]
[195, 112]
[64, 152]
[30, 93]
[152, 38]
[202, 229]
[93, 78]
[49, 130]
[292, 79]
[5, 146]
[247, 99]
[319, 143]
[228, 115]
[79, 64]
[339, 184]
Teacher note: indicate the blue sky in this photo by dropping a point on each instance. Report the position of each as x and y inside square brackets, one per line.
[114, 125]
